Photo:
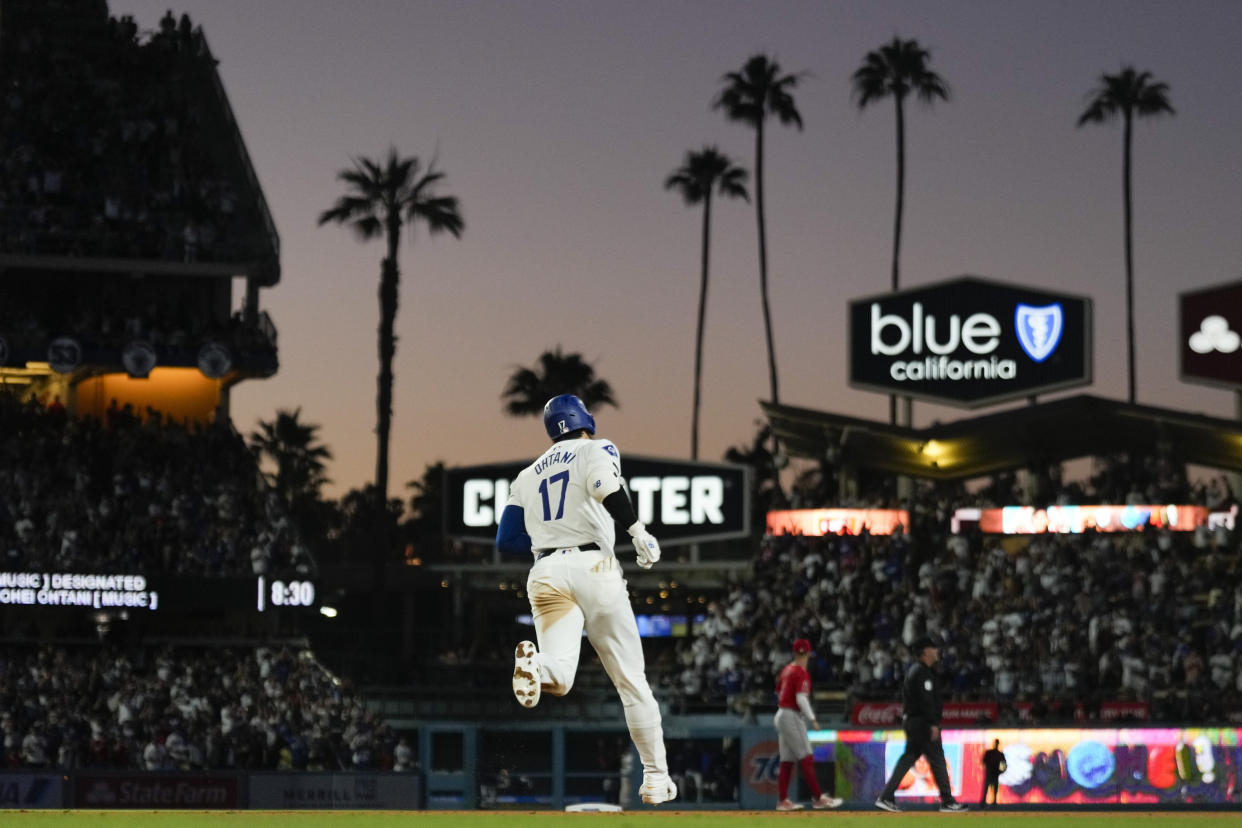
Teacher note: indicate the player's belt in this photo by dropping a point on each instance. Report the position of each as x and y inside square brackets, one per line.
[582, 547]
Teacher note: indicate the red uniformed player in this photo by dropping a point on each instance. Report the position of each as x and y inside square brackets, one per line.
[792, 716]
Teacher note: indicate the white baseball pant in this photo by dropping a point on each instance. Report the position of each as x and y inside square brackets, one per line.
[572, 590]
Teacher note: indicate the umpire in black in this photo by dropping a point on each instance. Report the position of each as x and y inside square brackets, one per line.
[921, 720]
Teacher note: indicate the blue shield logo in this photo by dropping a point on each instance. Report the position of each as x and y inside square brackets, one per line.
[1039, 329]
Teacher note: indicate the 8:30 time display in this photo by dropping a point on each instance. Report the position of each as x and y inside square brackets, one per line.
[279, 593]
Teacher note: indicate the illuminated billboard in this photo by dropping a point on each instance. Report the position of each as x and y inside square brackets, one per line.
[1028, 520]
[680, 501]
[1050, 766]
[161, 592]
[970, 342]
[816, 522]
[1210, 346]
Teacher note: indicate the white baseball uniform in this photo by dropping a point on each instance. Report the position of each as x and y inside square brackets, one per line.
[571, 588]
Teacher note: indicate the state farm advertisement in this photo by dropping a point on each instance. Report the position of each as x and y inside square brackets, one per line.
[155, 790]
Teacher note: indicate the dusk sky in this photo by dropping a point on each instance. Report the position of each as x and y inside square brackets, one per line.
[557, 122]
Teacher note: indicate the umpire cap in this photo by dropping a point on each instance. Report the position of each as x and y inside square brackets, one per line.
[924, 641]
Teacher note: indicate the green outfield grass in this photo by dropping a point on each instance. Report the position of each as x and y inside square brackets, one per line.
[664, 819]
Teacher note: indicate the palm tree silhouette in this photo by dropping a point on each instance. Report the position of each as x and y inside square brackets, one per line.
[293, 447]
[379, 199]
[1129, 93]
[896, 69]
[695, 179]
[529, 388]
[748, 97]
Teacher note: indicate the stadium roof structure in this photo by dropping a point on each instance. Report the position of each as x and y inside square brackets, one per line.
[1063, 429]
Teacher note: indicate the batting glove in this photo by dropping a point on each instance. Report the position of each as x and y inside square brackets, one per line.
[646, 547]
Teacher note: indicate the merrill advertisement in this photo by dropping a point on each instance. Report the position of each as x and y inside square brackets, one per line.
[328, 791]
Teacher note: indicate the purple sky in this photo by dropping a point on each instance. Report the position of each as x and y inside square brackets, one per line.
[557, 123]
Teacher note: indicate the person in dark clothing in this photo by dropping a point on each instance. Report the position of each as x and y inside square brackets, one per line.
[920, 696]
[993, 766]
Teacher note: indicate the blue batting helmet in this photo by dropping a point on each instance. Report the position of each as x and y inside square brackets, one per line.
[565, 413]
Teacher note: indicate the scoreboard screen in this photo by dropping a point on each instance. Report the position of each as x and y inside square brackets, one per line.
[155, 593]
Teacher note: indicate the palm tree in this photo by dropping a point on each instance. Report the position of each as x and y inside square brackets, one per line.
[1128, 93]
[292, 447]
[426, 507]
[695, 179]
[529, 388]
[379, 199]
[896, 69]
[748, 97]
[765, 477]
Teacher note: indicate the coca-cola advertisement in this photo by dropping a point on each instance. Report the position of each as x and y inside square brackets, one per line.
[888, 713]
[155, 790]
[876, 714]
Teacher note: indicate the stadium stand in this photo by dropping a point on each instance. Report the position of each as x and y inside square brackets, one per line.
[185, 708]
[136, 493]
[101, 138]
[1044, 621]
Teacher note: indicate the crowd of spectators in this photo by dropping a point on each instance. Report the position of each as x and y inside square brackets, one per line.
[186, 708]
[175, 316]
[103, 149]
[1048, 622]
[133, 494]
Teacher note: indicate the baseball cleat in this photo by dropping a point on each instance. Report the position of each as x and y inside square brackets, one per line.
[953, 808]
[887, 805]
[526, 674]
[826, 801]
[788, 805]
[657, 788]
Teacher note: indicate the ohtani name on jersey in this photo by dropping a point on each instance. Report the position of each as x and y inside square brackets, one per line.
[556, 457]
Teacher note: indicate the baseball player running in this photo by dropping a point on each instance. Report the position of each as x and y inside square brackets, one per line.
[561, 509]
[793, 713]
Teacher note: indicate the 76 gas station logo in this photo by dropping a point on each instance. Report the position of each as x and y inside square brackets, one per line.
[762, 765]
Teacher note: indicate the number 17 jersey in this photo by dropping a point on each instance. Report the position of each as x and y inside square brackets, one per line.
[560, 494]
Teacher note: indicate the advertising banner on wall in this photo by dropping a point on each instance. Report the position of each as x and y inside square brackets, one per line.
[970, 342]
[760, 766]
[1027, 520]
[1140, 766]
[888, 713]
[32, 790]
[156, 790]
[1210, 342]
[816, 522]
[341, 791]
[680, 501]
